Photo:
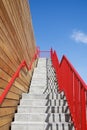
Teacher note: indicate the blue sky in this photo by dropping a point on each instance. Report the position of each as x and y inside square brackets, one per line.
[62, 25]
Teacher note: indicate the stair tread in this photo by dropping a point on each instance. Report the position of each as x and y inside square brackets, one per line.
[60, 93]
[41, 126]
[41, 106]
[44, 99]
[42, 114]
[53, 123]
[47, 117]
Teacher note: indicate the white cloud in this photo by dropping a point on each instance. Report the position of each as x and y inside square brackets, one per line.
[79, 36]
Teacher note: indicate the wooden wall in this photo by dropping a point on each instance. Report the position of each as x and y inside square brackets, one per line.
[16, 44]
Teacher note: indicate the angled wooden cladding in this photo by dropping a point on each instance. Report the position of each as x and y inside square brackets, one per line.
[16, 44]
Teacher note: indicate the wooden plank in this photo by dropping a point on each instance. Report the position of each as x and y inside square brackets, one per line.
[9, 103]
[6, 59]
[23, 74]
[4, 66]
[5, 120]
[14, 89]
[7, 111]
[6, 77]
[10, 95]
[6, 126]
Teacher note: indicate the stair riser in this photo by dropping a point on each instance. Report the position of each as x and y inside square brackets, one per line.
[40, 84]
[30, 126]
[40, 71]
[41, 65]
[43, 102]
[43, 110]
[27, 96]
[39, 76]
[42, 117]
[36, 91]
[39, 79]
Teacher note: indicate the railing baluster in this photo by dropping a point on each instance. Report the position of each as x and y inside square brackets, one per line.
[83, 109]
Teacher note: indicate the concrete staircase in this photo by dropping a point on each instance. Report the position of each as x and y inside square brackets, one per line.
[44, 107]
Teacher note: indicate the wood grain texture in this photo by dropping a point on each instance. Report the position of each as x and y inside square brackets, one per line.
[17, 43]
[6, 126]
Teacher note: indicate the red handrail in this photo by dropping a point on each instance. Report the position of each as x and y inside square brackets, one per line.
[75, 90]
[16, 74]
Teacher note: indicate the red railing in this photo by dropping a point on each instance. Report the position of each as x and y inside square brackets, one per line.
[75, 90]
[43, 54]
[22, 65]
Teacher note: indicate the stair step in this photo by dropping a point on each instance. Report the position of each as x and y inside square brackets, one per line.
[38, 70]
[37, 84]
[41, 126]
[39, 76]
[37, 90]
[41, 66]
[34, 96]
[42, 117]
[40, 73]
[43, 109]
[42, 62]
[38, 80]
[45, 102]
[42, 96]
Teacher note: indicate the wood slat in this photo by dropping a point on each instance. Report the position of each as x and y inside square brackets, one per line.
[10, 95]
[9, 103]
[14, 89]
[4, 66]
[5, 120]
[6, 126]
[6, 77]
[7, 111]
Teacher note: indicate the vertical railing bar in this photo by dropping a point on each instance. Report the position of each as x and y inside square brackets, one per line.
[83, 110]
[73, 95]
[79, 105]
